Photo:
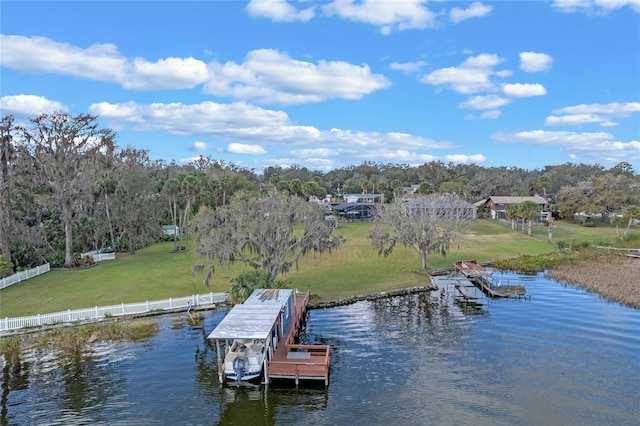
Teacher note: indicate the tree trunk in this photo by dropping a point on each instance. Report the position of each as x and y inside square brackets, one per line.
[106, 207]
[529, 226]
[423, 257]
[67, 219]
[174, 210]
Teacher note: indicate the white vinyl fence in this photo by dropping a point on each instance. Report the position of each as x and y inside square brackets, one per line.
[103, 312]
[98, 256]
[23, 275]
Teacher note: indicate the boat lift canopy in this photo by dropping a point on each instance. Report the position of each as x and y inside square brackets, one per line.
[247, 322]
[253, 319]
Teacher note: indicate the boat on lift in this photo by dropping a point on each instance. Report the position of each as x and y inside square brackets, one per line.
[247, 337]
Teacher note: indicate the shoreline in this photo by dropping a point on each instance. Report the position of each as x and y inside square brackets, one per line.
[616, 279]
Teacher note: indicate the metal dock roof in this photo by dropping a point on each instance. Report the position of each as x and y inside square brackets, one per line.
[255, 318]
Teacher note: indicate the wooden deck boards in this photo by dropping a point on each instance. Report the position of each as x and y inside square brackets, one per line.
[314, 366]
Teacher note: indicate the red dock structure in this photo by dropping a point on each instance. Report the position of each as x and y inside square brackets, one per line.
[299, 362]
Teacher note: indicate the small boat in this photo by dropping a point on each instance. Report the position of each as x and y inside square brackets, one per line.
[247, 337]
[244, 360]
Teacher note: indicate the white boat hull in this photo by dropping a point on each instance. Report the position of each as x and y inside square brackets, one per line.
[245, 360]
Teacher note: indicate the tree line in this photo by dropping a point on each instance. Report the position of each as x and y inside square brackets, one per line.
[66, 188]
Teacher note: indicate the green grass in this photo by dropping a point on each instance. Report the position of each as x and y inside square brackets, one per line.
[353, 269]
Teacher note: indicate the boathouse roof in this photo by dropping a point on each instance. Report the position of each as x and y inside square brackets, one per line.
[255, 318]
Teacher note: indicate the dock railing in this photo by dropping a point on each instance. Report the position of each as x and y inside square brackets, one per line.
[104, 312]
[306, 362]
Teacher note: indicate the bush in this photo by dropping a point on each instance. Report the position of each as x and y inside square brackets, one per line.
[244, 284]
[4, 267]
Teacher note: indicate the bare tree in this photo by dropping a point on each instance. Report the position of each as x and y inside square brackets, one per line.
[63, 148]
[426, 225]
[270, 233]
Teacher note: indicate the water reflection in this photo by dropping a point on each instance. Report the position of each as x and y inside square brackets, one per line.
[562, 356]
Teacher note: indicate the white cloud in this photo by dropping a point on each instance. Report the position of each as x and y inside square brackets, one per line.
[465, 159]
[199, 146]
[519, 90]
[28, 105]
[387, 15]
[470, 77]
[535, 62]
[240, 148]
[170, 73]
[595, 7]
[313, 152]
[490, 115]
[279, 11]
[587, 147]
[484, 102]
[408, 67]
[272, 77]
[38, 54]
[476, 10]
[592, 113]
[252, 130]
[266, 76]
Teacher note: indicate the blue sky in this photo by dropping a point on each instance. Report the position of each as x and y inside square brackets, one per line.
[335, 83]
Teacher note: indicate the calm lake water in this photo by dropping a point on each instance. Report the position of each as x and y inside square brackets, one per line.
[561, 356]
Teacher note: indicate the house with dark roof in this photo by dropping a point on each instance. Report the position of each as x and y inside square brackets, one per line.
[497, 205]
[355, 212]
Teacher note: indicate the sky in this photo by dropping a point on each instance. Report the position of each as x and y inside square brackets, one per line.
[336, 83]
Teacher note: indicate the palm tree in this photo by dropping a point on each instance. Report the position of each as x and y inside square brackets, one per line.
[630, 212]
[543, 182]
[396, 185]
[512, 213]
[617, 221]
[529, 211]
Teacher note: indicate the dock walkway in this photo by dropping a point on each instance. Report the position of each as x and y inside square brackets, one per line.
[299, 362]
[486, 282]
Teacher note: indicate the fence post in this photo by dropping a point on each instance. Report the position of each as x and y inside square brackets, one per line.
[123, 309]
[170, 303]
[147, 306]
[96, 315]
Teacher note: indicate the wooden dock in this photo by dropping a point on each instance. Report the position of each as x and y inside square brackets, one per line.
[299, 362]
[486, 282]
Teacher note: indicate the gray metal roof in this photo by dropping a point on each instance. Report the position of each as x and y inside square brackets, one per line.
[255, 318]
[498, 199]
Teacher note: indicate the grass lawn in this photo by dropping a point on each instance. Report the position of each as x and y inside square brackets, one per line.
[355, 268]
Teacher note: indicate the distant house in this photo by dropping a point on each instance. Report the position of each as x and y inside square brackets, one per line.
[170, 230]
[361, 198]
[355, 211]
[498, 205]
[464, 209]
